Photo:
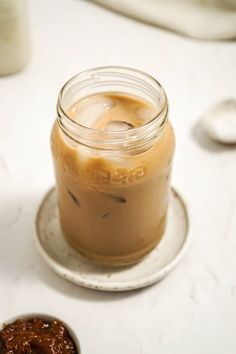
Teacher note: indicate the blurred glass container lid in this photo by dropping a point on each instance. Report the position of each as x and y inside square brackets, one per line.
[14, 36]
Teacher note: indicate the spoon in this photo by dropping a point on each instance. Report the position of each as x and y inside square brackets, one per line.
[219, 121]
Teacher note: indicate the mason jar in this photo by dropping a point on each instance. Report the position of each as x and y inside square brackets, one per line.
[112, 186]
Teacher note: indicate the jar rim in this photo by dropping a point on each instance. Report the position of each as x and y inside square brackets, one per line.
[112, 136]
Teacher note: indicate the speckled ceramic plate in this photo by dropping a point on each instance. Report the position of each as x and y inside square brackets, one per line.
[70, 265]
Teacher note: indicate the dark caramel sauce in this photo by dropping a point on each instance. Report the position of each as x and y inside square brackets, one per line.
[36, 336]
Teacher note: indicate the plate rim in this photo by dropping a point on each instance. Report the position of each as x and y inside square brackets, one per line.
[116, 286]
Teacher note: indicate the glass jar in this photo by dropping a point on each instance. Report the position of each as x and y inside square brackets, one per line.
[113, 187]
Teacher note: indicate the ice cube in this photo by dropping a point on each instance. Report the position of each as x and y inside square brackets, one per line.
[145, 114]
[114, 158]
[118, 125]
[84, 154]
[92, 110]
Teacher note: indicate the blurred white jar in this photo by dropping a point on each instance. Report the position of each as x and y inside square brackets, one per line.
[14, 36]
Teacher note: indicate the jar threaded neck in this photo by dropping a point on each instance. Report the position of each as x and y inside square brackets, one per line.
[112, 79]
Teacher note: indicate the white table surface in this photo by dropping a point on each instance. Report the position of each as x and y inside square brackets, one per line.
[193, 310]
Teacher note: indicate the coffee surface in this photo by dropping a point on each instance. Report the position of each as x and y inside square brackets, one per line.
[112, 112]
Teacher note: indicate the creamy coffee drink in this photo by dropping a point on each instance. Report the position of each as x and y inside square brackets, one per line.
[113, 203]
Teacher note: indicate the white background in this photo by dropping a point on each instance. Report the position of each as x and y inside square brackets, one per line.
[193, 310]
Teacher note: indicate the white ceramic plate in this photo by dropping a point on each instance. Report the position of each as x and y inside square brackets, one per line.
[61, 257]
[26, 316]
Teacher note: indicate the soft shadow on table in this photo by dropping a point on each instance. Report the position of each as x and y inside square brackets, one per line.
[17, 253]
[20, 260]
[202, 139]
[69, 289]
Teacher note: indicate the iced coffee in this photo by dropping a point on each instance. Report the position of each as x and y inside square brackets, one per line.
[113, 153]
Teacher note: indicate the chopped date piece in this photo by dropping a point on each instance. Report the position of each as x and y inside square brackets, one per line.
[116, 198]
[73, 197]
[105, 215]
